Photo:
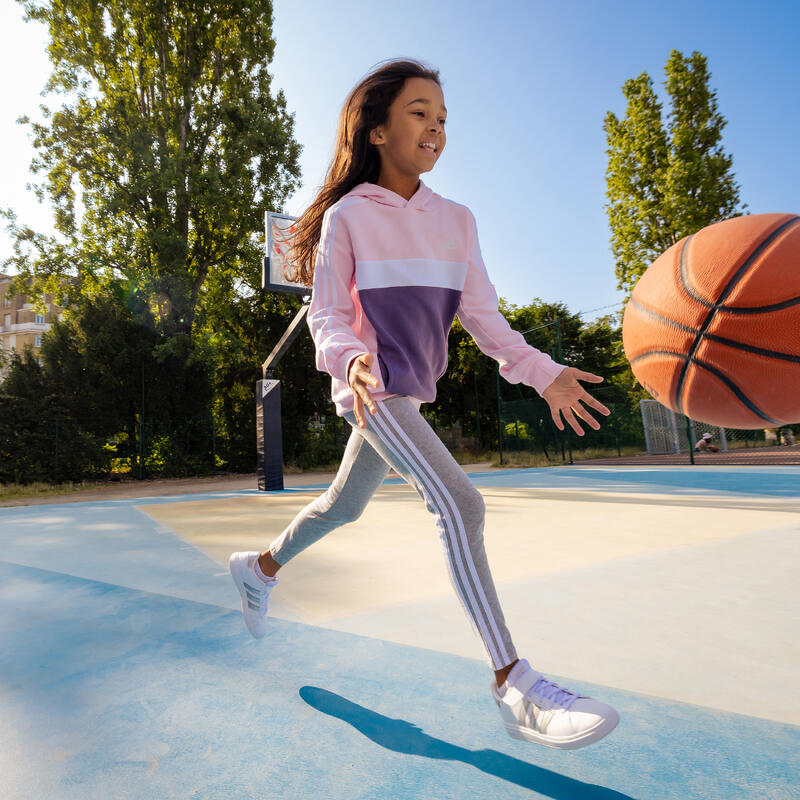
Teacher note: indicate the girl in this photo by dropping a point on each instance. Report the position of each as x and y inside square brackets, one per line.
[393, 262]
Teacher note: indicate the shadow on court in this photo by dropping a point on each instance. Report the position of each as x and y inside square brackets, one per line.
[405, 737]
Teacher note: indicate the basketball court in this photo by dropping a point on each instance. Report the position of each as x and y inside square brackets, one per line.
[669, 592]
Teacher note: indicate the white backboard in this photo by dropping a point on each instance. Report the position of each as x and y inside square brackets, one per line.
[277, 273]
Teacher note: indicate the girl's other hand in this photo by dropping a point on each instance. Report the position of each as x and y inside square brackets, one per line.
[359, 377]
[564, 396]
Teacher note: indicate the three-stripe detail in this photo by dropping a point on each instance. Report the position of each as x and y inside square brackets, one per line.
[253, 596]
[463, 572]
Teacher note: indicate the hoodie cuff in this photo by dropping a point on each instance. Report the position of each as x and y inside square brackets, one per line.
[544, 374]
[350, 361]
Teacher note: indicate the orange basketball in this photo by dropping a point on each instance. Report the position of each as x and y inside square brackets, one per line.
[712, 329]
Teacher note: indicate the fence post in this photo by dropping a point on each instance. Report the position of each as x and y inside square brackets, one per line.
[141, 428]
[615, 424]
[561, 361]
[477, 410]
[689, 437]
[56, 447]
[499, 417]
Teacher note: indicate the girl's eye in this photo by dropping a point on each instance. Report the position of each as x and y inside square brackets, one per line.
[423, 114]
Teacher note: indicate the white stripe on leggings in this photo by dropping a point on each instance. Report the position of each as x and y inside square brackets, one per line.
[456, 525]
[465, 550]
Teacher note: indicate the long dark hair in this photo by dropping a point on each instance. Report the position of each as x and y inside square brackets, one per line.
[355, 159]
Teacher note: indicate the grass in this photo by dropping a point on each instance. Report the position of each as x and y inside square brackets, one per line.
[17, 491]
[511, 459]
[535, 458]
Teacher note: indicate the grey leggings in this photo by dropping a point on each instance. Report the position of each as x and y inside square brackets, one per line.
[399, 436]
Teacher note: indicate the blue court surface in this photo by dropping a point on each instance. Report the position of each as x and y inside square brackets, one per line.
[126, 670]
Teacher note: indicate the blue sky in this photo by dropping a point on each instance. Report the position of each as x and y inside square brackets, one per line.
[527, 85]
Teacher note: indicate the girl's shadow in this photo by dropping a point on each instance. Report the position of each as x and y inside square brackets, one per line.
[403, 737]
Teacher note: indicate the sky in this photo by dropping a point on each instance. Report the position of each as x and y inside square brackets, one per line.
[527, 84]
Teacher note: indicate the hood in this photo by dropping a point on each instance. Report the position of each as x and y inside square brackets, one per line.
[423, 199]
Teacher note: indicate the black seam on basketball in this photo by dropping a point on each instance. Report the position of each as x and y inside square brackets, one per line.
[720, 300]
[647, 354]
[793, 301]
[736, 390]
[749, 263]
[649, 312]
[714, 371]
[687, 287]
[753, 349]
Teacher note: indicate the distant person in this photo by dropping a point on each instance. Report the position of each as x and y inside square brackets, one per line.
[704, 443]
[788, 436]
[391, 263]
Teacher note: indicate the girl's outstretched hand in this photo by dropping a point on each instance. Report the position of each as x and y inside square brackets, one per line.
[564, 396]
[359, 377]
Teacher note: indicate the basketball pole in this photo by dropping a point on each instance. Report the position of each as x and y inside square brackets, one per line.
[269, 435]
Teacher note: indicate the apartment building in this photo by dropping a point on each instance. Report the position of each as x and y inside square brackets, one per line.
[20, 324]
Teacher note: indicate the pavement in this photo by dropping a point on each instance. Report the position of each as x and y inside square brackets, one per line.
[670, 592]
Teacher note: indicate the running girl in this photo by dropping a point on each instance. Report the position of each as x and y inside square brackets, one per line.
[393, 263]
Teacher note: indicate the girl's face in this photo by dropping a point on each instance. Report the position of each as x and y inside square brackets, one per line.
[416, 121]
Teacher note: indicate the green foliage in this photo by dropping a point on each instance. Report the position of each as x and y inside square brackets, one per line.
[40, 440]
[242, 331]
[165, 150]
[159, 161]
[162, 162]
[468, 391]
[94, 360]
[664, 183]
[516, 429]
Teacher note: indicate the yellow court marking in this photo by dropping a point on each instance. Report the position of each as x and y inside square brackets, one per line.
[392, 555]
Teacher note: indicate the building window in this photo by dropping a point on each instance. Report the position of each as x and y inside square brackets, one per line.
[38, 340]
[8, 321]
[39, 319]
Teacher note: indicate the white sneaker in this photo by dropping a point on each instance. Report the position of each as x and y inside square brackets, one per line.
[537, 710]
[254, 592]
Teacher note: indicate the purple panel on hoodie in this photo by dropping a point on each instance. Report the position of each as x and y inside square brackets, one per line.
[411, 323]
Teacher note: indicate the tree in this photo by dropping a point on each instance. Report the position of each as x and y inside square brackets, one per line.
[469, 387]
[666, 183]
[171, 146]
[39, 439]
[121, 381]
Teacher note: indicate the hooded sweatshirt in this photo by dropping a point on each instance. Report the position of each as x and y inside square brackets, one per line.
[389, 277]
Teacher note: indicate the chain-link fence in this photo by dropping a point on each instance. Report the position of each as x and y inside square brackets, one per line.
[668, 434]
[50, 443]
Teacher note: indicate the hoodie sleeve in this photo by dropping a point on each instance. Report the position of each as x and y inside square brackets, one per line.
[479, 313]
[331, 313]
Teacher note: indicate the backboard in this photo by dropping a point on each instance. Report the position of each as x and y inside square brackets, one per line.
[276, 272]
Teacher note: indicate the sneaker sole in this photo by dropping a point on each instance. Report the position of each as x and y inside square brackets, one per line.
[575, 742]
[235, 568]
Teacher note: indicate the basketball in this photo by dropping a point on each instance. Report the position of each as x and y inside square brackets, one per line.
[712, 329]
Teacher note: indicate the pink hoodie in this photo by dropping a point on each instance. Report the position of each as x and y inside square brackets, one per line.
[389, 277]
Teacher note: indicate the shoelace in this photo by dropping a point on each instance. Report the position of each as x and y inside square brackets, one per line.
[553, 692]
